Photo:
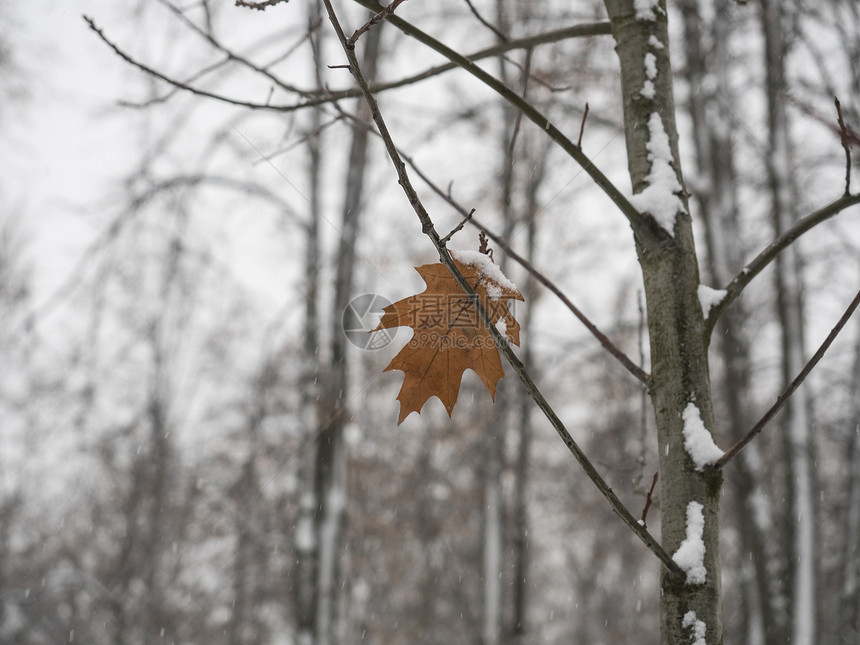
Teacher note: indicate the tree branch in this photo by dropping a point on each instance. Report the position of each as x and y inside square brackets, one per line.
[327, 96]
[732, 452]
[232, 56]
[604, 340]
[428, 228]
[645, 229]
[259, 6]
[485, 22]
[755, 266]
[526, 42]
[377, 18]
[183, 86]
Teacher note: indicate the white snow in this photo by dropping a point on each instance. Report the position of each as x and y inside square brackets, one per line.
[698, 442]
[659, 198]
[646, 9]
[491, 275]
[502, 326]
[690, 556]
[698, 627]
[650, 66]
[648, 90]
[709, 297]
[654, 42]
[493, 290]
[650, 73]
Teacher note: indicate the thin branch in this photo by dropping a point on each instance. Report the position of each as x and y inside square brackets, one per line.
[179, 84]
[586, 29]
[604, 340]
[457, 228]
[486, 23]
[428, 229]
[648, 231]
[231, 56]
[845, 133]
[756, 265]
[582, 126]
[377, 18]
[648, 501]
[732, 452]
[843, 136]
[259, 6]
[527, 42]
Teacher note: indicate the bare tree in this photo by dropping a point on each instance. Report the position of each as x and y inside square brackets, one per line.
[681, 314]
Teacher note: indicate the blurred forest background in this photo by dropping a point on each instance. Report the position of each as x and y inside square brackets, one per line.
[192, 451]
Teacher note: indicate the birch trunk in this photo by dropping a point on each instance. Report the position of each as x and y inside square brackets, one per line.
[679, 373]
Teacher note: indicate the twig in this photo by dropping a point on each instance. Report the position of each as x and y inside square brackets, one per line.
[582, 126]
[457, 228]
[850, 135]
[377, 18]
[179, 84]
[732, 452]
[232, 56]
[429, 229]
[757, 264]
[259, 6]
[486, 23]
[648, 500]
[648, 232]
[843, 136]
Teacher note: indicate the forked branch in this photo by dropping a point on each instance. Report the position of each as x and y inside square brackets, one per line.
[757, 264]
[429, 229]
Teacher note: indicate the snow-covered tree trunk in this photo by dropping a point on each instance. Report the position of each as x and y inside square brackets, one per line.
[679, 385]
[796, 419]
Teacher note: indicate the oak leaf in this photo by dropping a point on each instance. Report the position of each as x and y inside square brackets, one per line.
[449, 337]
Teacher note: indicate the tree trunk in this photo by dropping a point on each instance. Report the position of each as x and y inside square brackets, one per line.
[331, 460]
[305, 576]
[796, 419]
[764, 603]
[679, 374]
[848, 606]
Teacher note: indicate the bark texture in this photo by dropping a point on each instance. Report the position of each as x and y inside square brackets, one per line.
[679, 374]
